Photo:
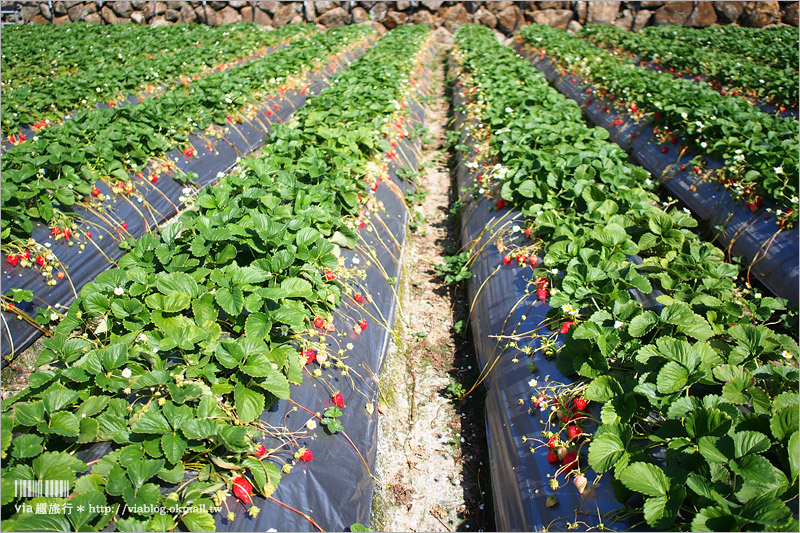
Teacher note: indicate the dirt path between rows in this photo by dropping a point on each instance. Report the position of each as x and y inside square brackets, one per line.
[432, 467]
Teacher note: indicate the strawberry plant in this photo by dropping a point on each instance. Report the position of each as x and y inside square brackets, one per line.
[168, 360]
[113, 144]
[759, 150]
[676, 48]
[132, 61]
[698, 389]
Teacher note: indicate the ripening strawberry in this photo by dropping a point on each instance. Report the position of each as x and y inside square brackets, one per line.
[309, 356]
[552, 457]
[501, 203]
[551, 443]
[242, 489]
[188, 151]
[574, 431]
[506, 259]
[664, 150]
[362, 324]
[579, 403]
[124, 225]
[153, 178]
[358, 298]
[538, 401]
[60, 275]
[56, 230]
[571, 460]
[95, 192]
[541, 294]
[88, 234]
[261, 451]
[566, 326]
[330, 276]
[12, 260]
[338, 399]
[527, 232]
[67, 233]
[26, 254]
[319, 322]
[307, 455]
[40, 260]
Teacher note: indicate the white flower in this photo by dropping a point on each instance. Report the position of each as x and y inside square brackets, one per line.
[778, 170]
[554, 271]
[53, 317]
[284, 331]
[349, 346]
[219, 399]
[794, 200]
[515, 229]
[533, 382]
[119, 291]
[703, 144]
[618, 324]
[684, 115]
[142, 337]
[126, 373]
[186, 190]
[356, 260]
[786, 354]
[543, 406]
[83, 415]
[509, 110]
[311, 424]
[757, 295]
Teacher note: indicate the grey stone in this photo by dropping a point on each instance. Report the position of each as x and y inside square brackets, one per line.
[485, 17]
[360, 15]
[378, 11]
[394, 19]
[602, 12]
[557, 18]
[284, 16]
[574, 26]
[334, 18]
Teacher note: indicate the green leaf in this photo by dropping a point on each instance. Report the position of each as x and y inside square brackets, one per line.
[672, 378]
[234, 438]
[232, 301]
[277, 384]
[746, 442]
[768, 511]
[642, 324]
[178, 282]
[27, 445]
[711, 422]
[152, 422]
[199, 522]
[718, 450]
[29, 414]
[257, 326]
[645, 478]
[602, 389]
[173, 446]
[57, 397]
[57, 465]
[38, 523]
[659, 513]
[794, 455]
[63, 423]
[784, 422]
[249, 403]
[141, 470]
[170, 303]
[605, 452]
[84, 510]
[258, 365]
[161, 522]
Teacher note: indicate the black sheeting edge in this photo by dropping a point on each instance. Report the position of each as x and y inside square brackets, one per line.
[745, 234]
[160, 205]
[520, 483]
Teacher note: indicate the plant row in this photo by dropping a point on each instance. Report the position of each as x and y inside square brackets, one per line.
[698, 416]
[775, 46]
[45, 176]
[108, 64]
[727, 72]
[758, 150]
[171, 358]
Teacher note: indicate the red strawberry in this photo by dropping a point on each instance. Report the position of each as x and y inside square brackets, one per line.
[269, 112]
[60, 275]
[261, 451]
[154, 178]
[358, 298]
[330, 276]
[56, 231]
[541, 294]
[40, 260]
[67, 233]
[527, 232]
[338, 399]
[307, 455]
[571, 460]
[188, 152]
[579, 403]
[539, 400]
[501, 204]
[552, 457]
[13, 260]
[573, 431]
[242, 489]
[89, 234]
[533, 260]
[362, 324]
[664, 150]
[22, 137]
[310, 356]
[552, 442]
[566, 325]
[124, 225]
[26, 254]
[319, 322]
[95, 192]
[507, 259]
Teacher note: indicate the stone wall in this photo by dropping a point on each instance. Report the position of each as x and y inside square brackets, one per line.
[446, 17]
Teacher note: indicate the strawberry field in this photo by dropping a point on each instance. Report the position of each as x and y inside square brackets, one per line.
[205, 239]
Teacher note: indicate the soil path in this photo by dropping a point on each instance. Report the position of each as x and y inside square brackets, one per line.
[432, 467]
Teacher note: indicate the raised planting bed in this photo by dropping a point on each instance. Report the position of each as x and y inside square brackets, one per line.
[604, 407]
[191, 383]
[51, 71]
[774, 87]
[92, 238]
[711, 186]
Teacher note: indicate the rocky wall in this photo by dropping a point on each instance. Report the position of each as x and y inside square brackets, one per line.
[503, 16]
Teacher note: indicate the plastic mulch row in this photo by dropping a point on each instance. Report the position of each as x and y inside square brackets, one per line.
[770, 254]
[160, 204]
[335, 489]
[503, 304]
